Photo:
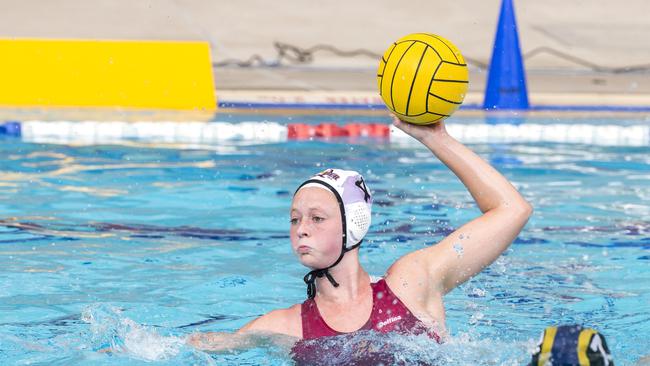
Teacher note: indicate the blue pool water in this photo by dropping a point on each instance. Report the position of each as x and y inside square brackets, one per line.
[136, 247]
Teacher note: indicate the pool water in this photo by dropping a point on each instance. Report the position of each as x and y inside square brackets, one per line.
[136, 247]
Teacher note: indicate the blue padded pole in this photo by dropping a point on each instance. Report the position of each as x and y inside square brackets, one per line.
[506, 85]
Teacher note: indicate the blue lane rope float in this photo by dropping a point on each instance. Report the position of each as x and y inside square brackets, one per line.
[10, 128]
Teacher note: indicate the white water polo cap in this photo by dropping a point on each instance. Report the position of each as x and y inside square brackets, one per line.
[355, 203]
[353, 195]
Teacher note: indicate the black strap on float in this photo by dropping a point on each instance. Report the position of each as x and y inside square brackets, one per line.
[310, 278]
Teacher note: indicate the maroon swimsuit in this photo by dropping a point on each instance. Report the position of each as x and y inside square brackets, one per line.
[388, 314]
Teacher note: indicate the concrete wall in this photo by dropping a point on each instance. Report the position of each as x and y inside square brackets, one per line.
[605, 32]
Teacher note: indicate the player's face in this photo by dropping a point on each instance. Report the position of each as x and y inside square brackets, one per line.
[316, 227]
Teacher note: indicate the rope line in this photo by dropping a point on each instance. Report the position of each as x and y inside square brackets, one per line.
[288, 54]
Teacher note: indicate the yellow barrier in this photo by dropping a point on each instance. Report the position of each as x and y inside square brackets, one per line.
[90, 73]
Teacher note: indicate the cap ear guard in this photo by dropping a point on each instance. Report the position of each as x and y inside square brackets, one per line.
[358, 217]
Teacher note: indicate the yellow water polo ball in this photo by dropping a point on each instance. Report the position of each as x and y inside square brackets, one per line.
[422, 78]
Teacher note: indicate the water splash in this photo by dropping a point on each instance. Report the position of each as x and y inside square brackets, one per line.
[113, 333]
[369, 347]
[458, 248]
[110, 330]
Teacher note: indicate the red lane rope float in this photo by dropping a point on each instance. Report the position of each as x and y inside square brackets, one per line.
[301, 131]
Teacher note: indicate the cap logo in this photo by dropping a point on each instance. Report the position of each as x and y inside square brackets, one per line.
[328, 173]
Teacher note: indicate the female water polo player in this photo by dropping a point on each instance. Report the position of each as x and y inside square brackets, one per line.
[330, 215]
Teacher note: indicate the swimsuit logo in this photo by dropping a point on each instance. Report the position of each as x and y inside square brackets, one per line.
[329, 173]
[388, 321]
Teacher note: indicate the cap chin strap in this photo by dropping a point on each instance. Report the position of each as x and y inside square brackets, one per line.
[310, 278]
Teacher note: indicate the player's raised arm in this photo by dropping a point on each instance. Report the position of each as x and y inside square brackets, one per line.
[475, 245]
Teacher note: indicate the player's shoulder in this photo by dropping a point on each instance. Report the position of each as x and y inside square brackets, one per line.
[416, 274]
[415, 265]
[284, 321]
[293, 312]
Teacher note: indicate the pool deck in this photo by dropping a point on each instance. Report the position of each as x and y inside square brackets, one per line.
[358, 86]
[598, 40]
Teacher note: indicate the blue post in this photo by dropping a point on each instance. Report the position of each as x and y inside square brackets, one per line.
[506, 85]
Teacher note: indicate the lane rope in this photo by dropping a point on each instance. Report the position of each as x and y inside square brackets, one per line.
[255, 132]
